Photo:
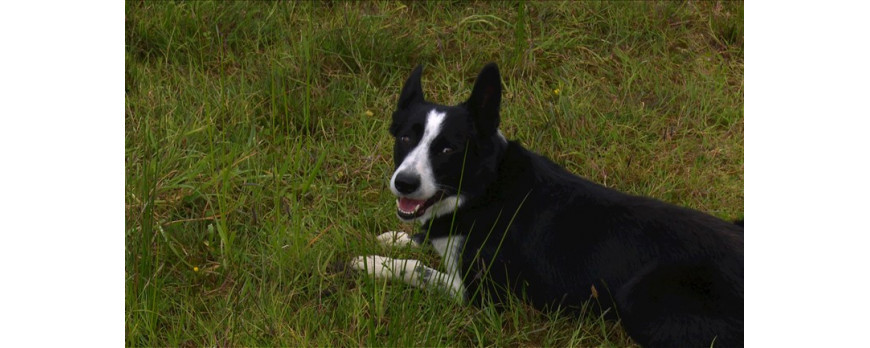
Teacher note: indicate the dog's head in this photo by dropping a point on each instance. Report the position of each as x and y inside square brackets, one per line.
[445, 155]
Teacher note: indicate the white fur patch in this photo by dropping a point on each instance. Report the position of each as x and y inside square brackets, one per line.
[396, 239]
[450, 249]
[414, 272]
[387, 268]
[445, 206]
[411, 272]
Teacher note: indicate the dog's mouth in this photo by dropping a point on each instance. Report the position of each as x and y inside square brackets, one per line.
[409, 209]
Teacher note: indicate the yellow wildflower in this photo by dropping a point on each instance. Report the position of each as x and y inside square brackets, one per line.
[369, 113]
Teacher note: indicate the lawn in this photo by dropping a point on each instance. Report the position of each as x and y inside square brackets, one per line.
[257, 152]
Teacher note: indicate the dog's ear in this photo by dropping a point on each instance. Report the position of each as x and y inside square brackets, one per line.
[485, 100]
[412, 92]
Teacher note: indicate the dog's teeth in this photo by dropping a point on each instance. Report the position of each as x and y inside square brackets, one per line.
[416, 207]
[409, 212]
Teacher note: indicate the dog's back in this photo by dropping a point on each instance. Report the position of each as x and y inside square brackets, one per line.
[675, 275]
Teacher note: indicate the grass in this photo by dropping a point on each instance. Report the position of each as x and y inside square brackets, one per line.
[257, 152]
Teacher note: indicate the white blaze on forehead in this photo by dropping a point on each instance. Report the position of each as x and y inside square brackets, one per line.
[417, 162]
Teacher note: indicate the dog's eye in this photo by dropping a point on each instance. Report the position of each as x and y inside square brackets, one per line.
[446, 150]
[405, 139]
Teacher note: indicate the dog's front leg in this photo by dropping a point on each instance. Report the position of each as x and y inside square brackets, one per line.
[412, 272]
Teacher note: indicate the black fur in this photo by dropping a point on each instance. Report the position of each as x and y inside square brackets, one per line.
[673, 275]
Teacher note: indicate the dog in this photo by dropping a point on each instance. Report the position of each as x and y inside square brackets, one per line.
[509, 222]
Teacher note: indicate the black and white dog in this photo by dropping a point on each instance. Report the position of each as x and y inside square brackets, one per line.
[510, 222]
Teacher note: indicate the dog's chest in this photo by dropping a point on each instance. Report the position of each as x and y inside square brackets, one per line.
[450, 249]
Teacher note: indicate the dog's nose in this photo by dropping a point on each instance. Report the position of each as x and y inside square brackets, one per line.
[406, 183]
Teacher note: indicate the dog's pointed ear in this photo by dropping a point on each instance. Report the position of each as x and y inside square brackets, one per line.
[485, 100]
[412, 92]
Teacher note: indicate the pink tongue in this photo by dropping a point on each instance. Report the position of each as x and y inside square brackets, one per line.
[409, 205]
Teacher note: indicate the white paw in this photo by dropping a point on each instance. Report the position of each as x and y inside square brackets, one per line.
[395, 238]
[372, 264]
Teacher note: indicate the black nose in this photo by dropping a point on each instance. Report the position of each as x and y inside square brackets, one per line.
[406, 183]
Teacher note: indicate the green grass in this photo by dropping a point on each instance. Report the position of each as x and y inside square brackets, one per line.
[257, 152]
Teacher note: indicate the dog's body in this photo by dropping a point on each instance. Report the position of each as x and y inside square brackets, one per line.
[511, 222]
